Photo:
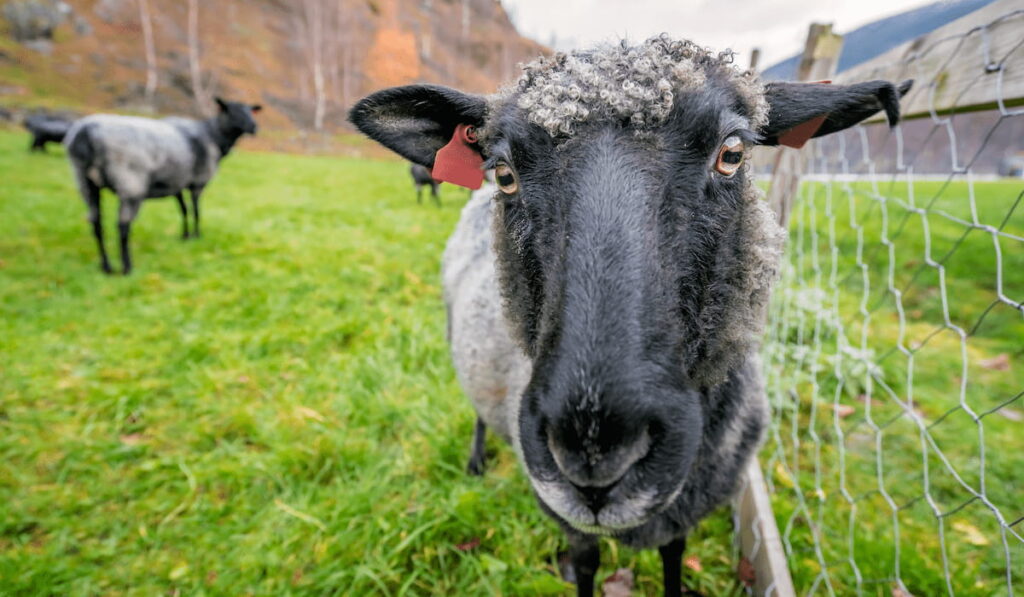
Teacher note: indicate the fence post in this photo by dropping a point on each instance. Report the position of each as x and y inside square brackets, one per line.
[819, 60]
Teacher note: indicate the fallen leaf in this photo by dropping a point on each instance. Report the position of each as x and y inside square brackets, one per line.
[133, 439]
[468, 545]
[492, 565]
[308, 413]
[693, 563]
[843, 410]
[746, 573]
[178, 571]
[1000, 362]
[974, 536]
[783, 475]
[619, 584]
[1012, 414]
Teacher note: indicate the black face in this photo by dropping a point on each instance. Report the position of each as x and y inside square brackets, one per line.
[623, 259]
[237, 116]
[609, 239]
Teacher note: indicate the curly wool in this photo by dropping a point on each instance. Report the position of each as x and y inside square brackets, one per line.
[622, 82]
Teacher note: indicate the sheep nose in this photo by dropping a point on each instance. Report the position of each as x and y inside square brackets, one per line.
[594, 497]
[594, 467]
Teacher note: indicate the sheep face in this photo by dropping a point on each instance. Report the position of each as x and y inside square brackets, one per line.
[634, 256]
[237, 117]
[615, 242]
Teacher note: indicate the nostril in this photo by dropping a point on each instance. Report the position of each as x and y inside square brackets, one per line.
[594, 497]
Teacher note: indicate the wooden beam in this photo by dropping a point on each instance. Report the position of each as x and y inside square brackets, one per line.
[970, 64]
[759, 537]
[821, 54]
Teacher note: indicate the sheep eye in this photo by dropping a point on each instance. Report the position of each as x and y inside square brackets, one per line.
[506, 179]
[730, 156]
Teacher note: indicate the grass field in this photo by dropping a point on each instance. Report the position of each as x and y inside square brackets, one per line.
[268, 410]
[850, 364]
[271, 409]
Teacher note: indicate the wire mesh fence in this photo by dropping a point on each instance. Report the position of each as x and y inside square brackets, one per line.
[895, 352]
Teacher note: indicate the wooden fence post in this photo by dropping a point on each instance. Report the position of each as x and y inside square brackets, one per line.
[819, 60]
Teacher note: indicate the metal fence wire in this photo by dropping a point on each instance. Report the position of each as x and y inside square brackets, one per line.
[894, 356]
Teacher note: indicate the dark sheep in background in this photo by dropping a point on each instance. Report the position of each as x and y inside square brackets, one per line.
[421, 177]
[142, 158]
[46, 129]
[607, 300]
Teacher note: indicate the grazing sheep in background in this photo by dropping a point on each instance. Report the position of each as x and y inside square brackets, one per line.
[421, 177]
[606, 302]
[142, 158]
[46, 129]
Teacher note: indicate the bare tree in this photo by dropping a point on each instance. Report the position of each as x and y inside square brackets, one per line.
[147, 39]
[314, 13]
[195, 69]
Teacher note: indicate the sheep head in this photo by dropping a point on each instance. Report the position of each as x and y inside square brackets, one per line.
[635, 256]
[237, 118]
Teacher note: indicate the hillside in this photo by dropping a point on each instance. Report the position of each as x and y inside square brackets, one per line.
[257, 50]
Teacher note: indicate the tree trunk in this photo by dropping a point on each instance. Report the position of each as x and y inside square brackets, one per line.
[193, 57]
[147, 39]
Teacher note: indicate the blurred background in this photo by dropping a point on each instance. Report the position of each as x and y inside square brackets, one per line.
[271, 409]
[308, 60]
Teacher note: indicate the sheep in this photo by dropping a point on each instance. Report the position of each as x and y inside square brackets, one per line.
[606, 300]
[45, 129]
[143, 158]
[421, 177]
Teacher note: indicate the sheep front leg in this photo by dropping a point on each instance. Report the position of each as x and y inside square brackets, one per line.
[433, 193]
[477, 456]
[91, 194]
[585, 556]
[195, 193]
[184, 214]
[672, 568]
[129, 209]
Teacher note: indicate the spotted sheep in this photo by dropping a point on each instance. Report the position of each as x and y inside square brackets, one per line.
[144, 158]
[605, 301]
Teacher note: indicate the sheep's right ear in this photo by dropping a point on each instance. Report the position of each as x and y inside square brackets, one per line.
[416, 120]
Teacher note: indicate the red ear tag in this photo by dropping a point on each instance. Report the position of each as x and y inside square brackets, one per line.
[459, 162]
[798, 136]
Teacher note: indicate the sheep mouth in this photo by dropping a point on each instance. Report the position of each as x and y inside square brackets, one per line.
[624, 509]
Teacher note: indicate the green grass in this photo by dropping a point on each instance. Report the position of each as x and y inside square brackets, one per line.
[923, 370]
[268, 410]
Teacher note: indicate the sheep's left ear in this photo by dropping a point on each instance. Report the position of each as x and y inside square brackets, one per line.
[223, 105]
[800, 111]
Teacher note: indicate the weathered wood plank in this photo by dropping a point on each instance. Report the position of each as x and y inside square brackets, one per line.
[760, 542]
[821, 54]
[973, 63]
